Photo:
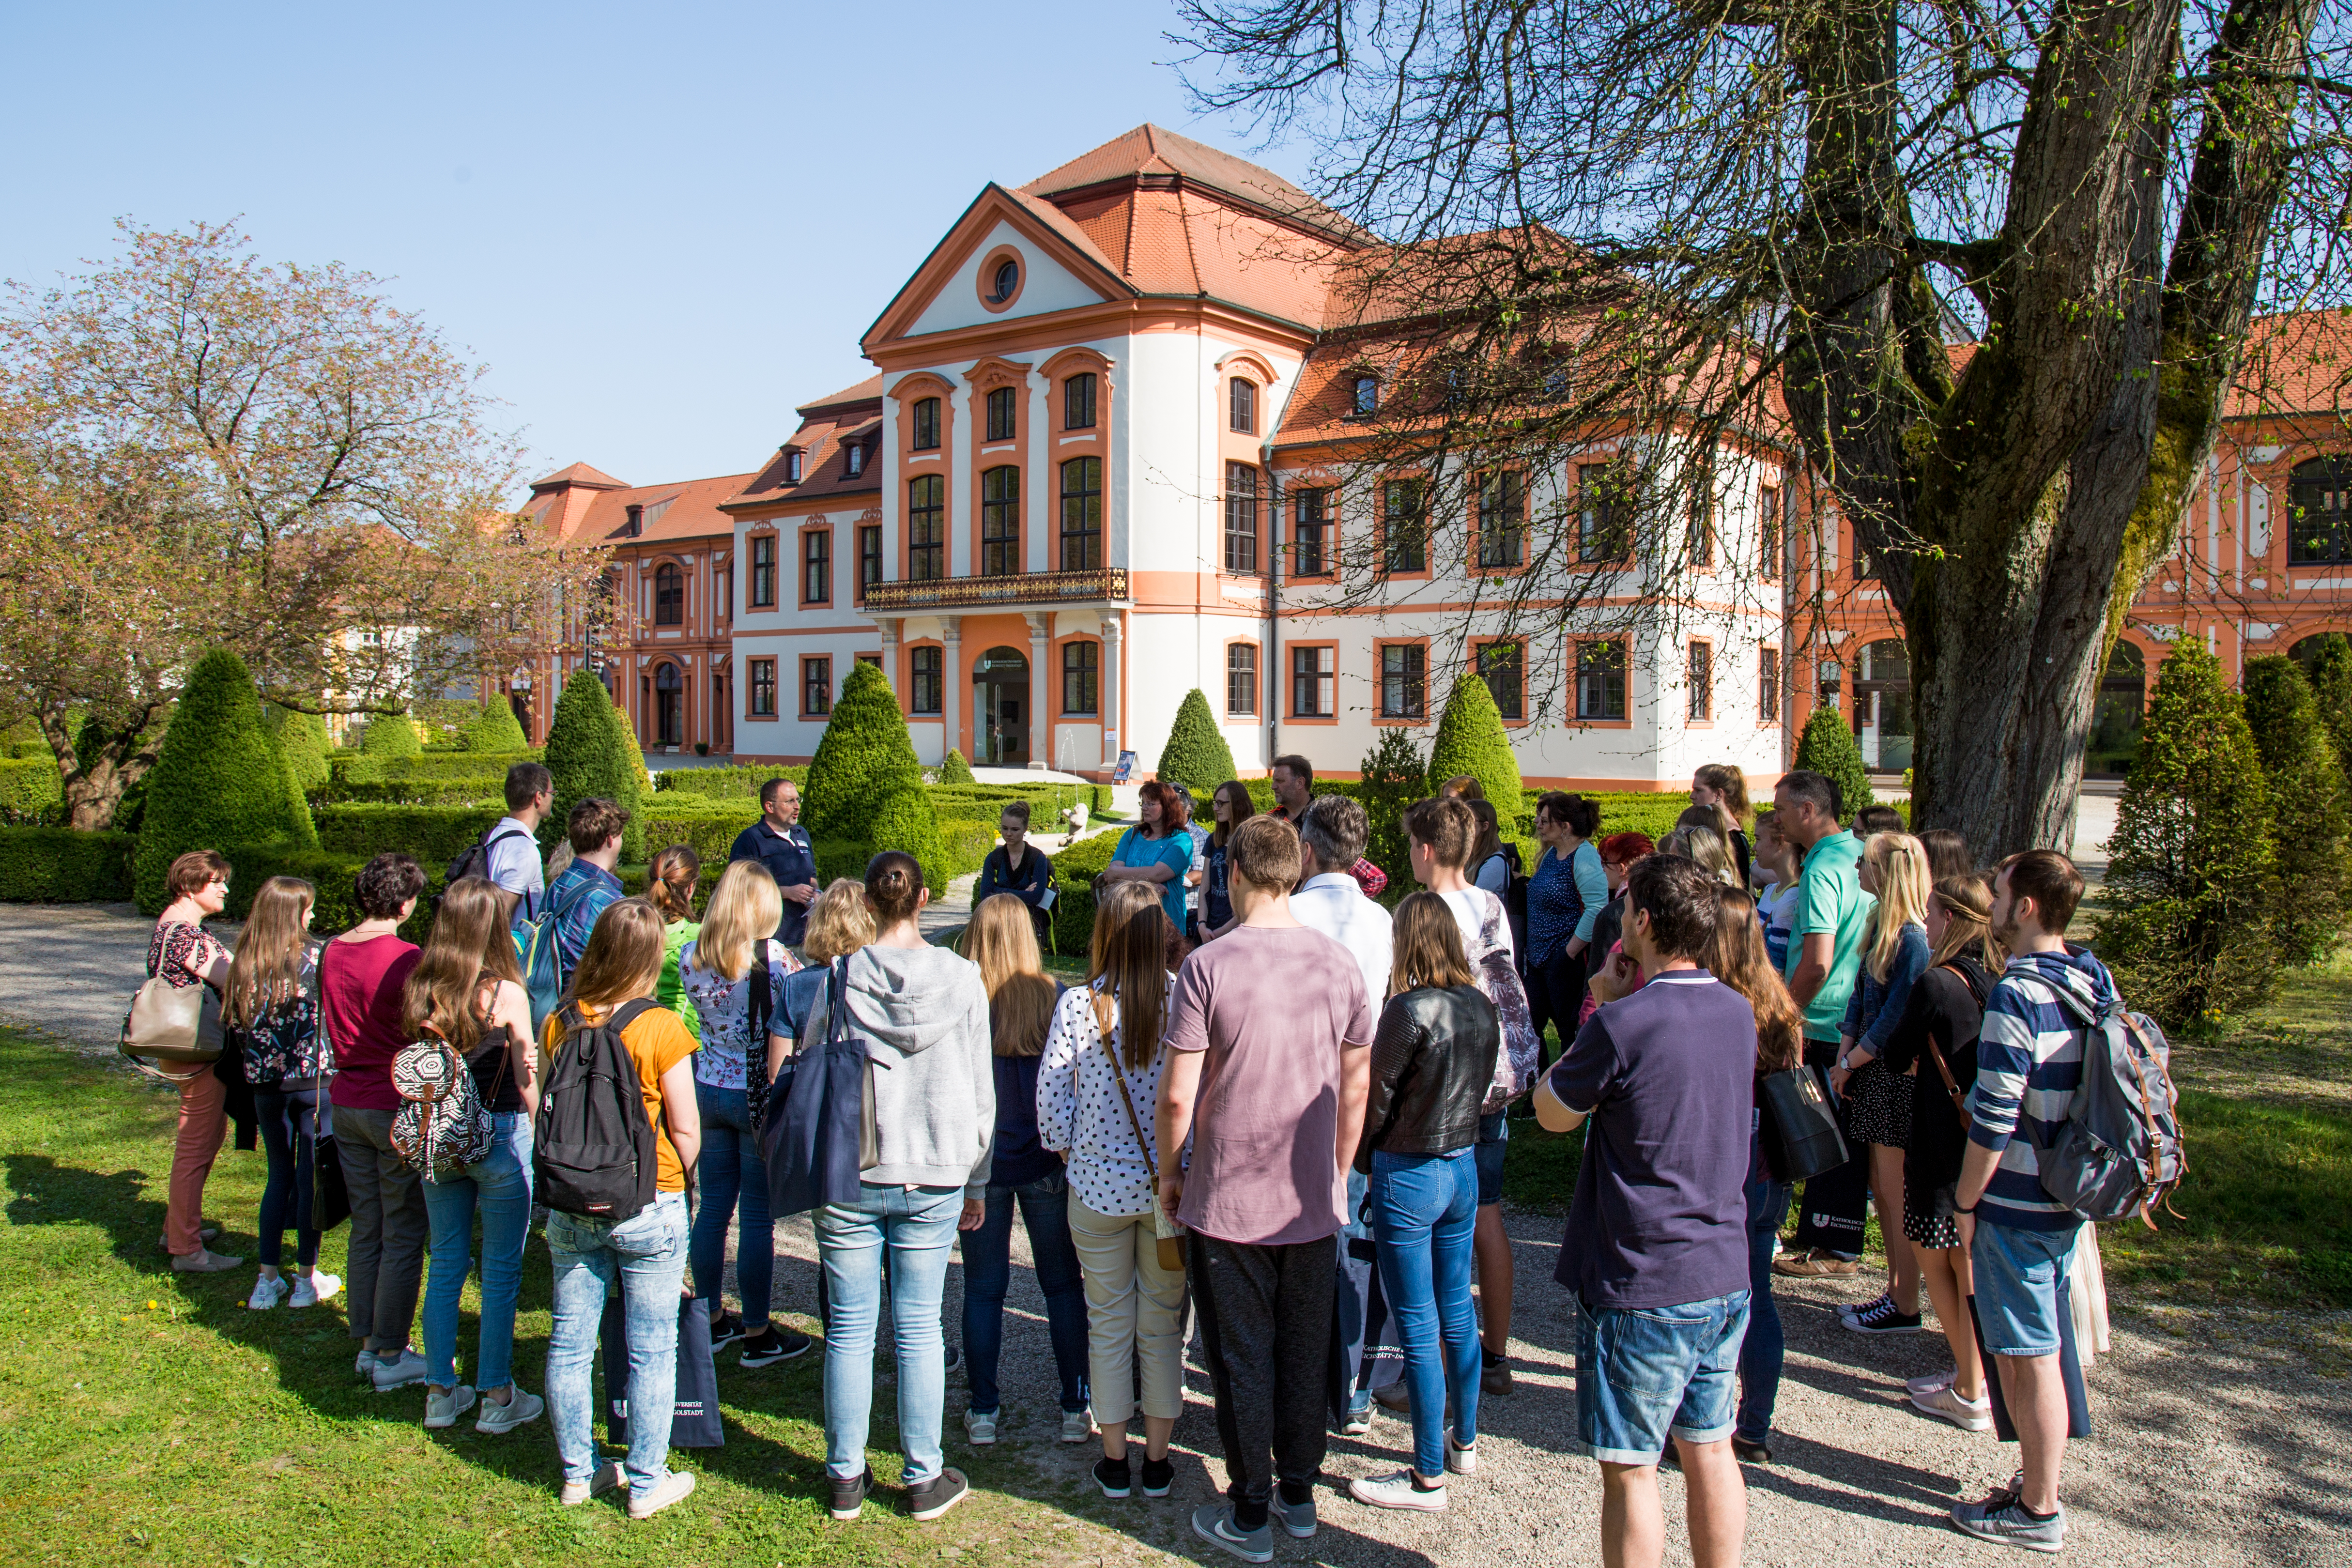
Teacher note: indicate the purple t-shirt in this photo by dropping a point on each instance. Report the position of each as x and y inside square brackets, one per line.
[1661, 1211]
[1272, 1007]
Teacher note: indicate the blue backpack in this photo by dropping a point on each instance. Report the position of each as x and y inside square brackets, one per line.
[543, 974]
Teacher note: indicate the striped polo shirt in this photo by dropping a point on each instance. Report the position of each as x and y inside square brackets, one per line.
[2029, 1065]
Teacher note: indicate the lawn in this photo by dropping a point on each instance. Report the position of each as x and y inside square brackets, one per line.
[148, 1417]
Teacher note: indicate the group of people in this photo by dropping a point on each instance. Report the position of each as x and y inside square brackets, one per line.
[1265, 1080]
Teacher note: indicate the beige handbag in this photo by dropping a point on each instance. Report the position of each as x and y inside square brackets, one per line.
[178, 1026]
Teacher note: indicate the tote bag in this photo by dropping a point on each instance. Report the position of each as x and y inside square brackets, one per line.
[1800, 1126]
[694, 1421]
[811, 1143]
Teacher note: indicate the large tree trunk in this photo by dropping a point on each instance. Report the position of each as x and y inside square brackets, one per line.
[94, 786]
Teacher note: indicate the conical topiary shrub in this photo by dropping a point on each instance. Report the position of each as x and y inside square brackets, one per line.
[1827, 748]
[2330, 671]
[590, 753]
[1394, 777]
[302, 737]
[2190, 880]
[906, 821]
[220, 782]
[1471, 740]
[1196, 756]
[390, 735]
[496, 729]
[2311, 819]
[864, 758]
[955, 770]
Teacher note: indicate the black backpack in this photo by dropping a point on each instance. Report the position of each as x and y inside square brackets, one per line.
[1515, 898]
[596, 1154]
[473, 861]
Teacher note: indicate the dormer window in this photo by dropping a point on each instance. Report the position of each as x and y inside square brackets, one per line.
[853, 459]
[1007, 279]
[1367, 397]
[636, 526]
[792, 461]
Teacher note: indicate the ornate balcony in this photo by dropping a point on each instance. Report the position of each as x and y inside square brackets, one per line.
[974, 593]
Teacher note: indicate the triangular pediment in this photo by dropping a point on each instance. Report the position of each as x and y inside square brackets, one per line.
[1059, 269]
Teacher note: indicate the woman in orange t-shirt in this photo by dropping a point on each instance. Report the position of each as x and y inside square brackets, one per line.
[647, 1252]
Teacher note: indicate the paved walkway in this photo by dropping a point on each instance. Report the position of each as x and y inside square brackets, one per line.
[2224, 1437]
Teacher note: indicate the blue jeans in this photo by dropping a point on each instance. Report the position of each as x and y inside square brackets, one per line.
[1645, 1373]
[289, 1131]
[1424, 1210]
[500, 1188]
[2017, 1276]
[918, 1225]
[730, 1165]
[645, 1255]
[987, 1271]
[1761, 1352]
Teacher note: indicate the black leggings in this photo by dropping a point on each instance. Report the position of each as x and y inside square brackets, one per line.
[289, 1135]
[1556, 992]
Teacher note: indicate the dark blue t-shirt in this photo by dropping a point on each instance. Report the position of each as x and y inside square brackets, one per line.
[1661, 1212]
[791, 859]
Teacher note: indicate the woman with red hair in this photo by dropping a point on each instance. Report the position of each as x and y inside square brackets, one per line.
[1159, 849]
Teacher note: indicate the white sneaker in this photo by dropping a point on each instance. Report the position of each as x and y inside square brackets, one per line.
[267, 1293]
[1078, 1426]
[317, 1287]
[1969, 1416]
[521, 1405]
[607, 1477]
[406, 1368]
[980, 1426]
[1919, 1387]
[1397, 1490]
[672, 1489]
[442, 1410]
[1459, 1460]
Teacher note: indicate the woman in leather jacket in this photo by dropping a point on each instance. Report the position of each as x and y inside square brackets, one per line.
[1433, 1059]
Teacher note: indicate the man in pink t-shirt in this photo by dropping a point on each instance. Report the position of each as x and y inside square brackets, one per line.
[1268, 1071]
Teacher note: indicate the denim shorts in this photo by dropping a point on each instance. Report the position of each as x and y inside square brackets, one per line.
[2018, 1273]
[1493, 1143]
[1643, 1373]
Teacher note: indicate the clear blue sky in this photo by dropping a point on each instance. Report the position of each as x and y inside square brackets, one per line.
[660, 226]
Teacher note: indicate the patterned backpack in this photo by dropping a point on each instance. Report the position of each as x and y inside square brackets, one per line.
[441, 1121]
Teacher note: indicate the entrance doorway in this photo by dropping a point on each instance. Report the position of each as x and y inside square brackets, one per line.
[669, 703]
[1001, 705]
[2115, 714]
[1882, 705]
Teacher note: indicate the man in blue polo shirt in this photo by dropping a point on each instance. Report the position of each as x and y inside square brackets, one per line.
[777, 842]
[1657, 1248]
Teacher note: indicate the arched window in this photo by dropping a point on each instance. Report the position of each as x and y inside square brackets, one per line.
[1244, 405]
[927, 425]
[2316, 509]
[1000, 523]
[927, 529]
[669, 705]
[669, 595]
[1002, 423]
[1079, 402]
[1082, 548]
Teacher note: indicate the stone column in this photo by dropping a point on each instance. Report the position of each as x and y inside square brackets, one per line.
[953, 684]
[1041, 720]
[1108, 705]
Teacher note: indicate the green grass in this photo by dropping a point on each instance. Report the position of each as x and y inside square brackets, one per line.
[148, 1417]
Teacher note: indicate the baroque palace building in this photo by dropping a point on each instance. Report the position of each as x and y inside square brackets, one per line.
[1106, 460]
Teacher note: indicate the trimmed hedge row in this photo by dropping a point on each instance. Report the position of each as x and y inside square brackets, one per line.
[57, 865]
[31, 793]
[1074, 871]
[436, 835]
[729, 783]
[334, 879]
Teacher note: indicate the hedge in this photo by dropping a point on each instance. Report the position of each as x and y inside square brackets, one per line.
[220, 778]
[592, 756]
[731, 783]
[56, 865]
[457, 764]
[335, 878]
[1074, 871]
[417, 792]
[436, 835]
[390, 735]
[709, 829]
[863, 760]
[31, 793]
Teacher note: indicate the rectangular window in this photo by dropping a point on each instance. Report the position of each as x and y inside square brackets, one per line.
[927, 529]
[1244, 405]
[1768, 531]
[927, 425]
[763, 687]
[1700, 673]
[1314, 679]
[924, 663]
[1241, 679]
[1503, 667]
[816, 566]
[816, 687]
[1241, 518]
[1081, 679]
[1367, 399]
[1767, 685]
[1600, 680]
[1404, 682]
[669, 595]
[1310, 533]
[870, 554]
[1404, 530]
[725, 580]
[1082, 545]
[1503, 520]
[1000, 523]
[1001, 422]
[873, 659]
[764, 572]
[1079, 402]
[1599, 516]
[1698, 529]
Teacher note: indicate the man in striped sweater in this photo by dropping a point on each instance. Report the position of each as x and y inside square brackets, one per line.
[2021, 1242]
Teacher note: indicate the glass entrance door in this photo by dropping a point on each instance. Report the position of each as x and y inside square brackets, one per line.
[1001, 707]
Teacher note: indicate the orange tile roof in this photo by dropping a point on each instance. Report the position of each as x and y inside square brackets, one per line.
[2295, 364]
[580, 474]
[867, 390]
[828, 426]
[685, 509]
[1152, 149]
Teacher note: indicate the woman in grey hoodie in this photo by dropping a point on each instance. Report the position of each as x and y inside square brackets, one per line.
[923, 1014]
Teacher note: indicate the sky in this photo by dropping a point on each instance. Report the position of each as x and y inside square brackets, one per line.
[660, 227]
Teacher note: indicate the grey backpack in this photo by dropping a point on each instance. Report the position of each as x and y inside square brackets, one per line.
[2118, 1152]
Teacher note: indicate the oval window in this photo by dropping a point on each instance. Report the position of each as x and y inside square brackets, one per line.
[1008, 278]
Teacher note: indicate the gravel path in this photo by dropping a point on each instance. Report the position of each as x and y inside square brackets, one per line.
[2225, 1437]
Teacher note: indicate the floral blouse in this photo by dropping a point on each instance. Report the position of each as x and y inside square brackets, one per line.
[724, 1009]
[286, 1042]
[180, 955]
[1079, 1112]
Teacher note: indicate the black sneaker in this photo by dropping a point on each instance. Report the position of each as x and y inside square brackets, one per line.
[936, 1495]
[1881, 1317]
[1748, 1453]
[849, 1496]
[955, 1357]
[1158, 1475]
[724, 1330]
[1113, 1477]
[773, 1344]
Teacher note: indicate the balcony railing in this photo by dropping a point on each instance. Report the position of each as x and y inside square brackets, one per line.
[1021, 588]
